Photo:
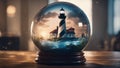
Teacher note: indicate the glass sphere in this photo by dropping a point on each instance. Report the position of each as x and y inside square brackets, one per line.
[60, 27]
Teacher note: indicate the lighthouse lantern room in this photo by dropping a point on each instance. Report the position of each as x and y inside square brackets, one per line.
[62, 24]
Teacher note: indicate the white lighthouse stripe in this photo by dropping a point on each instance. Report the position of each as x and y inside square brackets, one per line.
[62, 28]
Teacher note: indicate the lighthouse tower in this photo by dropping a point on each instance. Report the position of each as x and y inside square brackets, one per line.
[62, 24]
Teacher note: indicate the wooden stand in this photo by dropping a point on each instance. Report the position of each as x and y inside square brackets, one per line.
[61, 58]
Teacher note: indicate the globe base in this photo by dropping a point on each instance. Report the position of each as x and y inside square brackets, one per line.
[61, 58]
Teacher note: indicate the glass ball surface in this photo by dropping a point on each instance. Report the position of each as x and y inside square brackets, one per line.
[60, 27]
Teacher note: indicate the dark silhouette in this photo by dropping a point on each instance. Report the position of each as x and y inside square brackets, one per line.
[116, 45]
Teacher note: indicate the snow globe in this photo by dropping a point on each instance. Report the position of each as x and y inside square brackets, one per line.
[61, 31]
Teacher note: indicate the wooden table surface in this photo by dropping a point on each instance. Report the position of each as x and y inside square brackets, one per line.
[95, 59]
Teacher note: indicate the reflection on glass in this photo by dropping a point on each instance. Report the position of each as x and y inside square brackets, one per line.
[60, 27]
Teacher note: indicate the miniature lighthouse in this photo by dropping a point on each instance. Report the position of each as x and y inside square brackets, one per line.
[62, 24]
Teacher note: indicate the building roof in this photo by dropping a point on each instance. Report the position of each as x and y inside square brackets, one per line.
[54, 31]
[70, 30]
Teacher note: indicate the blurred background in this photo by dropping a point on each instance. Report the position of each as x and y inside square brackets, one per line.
[16, 17]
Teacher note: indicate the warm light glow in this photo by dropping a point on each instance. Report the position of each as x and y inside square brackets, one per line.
[44, 34]
[62, 12]
[11, 10]
[31, 27]
[80, 24]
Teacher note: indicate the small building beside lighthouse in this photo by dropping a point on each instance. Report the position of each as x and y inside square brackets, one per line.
[70, 33]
